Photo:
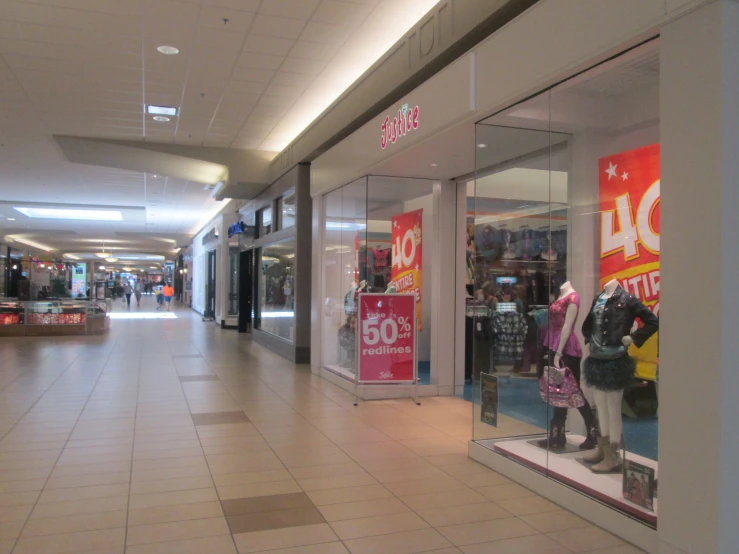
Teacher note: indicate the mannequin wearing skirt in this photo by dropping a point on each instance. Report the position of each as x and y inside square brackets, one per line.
[609, 369]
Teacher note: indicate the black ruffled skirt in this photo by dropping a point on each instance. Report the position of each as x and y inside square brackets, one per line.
[610, 375]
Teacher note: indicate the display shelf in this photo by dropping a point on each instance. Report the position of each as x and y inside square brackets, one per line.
[53, 318]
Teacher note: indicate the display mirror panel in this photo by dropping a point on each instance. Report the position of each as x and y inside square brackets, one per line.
[564, 260]
[276, 284]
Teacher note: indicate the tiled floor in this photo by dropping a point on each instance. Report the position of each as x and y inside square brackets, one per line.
[174, 436]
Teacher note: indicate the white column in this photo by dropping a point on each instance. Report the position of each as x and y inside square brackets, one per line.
[699, 337]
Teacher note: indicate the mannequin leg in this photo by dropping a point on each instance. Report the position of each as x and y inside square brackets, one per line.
[615, 422]
[601, 404]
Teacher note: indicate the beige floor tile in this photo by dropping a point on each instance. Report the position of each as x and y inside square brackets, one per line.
[83, 493]
[88, 480]
[10, 529]
[469, 513]
[377, 525]
[528, 505]
[185, 461]
[337, 482]
[549, 522]
[423, 486]
[233, 479]
[180, 512]
[349, 494]
[166, 454]
[284, 538]
[76, 523]
[403, 475]
[457, 497]
[87, 541]
[487, 479]
[536, 544]
[26, 485]
[18, 498]
[364, 452]
[153, 500]
[173, 473]
[505, 492]
[331, 470]
[585, 539]
[6, 546]
[176, 531]
[15, 513]
[325, 548]
[223, 544]
[170, 485]
[486, 531]
[24, 474]
[363, 509]
[399, 543]
[258, 489]
[91, 468]
[623, 549]
[395, 464]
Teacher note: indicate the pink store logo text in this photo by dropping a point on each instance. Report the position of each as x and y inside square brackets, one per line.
[405, 121]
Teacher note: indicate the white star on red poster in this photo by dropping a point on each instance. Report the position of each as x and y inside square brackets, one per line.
[625, 176]
[611, 170]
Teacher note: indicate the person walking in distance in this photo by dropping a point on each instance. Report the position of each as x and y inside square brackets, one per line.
[127, 290]
[168, 292]
[137, 289]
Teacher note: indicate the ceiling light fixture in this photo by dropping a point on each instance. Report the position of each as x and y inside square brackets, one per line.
[73, 214]
[168, 50]
[434, 165]
[71, 256]
[102, 267]
[11, 219]
[28, 242]
[482, 145]
[161, 110]
[111, 260]
[160, 118]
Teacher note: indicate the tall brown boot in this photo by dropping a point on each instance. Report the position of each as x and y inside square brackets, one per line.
[599, 453]
[611, 460]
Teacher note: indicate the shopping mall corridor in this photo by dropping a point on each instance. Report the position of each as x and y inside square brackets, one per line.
[174, 436]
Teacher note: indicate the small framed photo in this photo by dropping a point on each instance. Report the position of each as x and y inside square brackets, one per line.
[639, 484]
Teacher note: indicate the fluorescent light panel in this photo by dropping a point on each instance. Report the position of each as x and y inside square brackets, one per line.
[73, 214]
[161, 110]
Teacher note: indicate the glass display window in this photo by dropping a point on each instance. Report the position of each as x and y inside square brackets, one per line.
[286, 208]
[563, 223]
[275, 310]
[264, 220]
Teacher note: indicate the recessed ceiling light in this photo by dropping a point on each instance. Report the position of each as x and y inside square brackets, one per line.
[62, 213]
[101, 267]
[482, 145]
[11, 219]
[161, 110]
[168, 50]
[434, 165]
[160, 118]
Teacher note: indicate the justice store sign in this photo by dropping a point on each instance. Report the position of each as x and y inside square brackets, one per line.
[387, 338]
[405, 121]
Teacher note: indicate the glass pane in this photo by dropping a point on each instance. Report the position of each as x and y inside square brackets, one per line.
[233, 281]
[344, 261]
[287, 209]
[398, 208]
[265, 221]
[276, 289]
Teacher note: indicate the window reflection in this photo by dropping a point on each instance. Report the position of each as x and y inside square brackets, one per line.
[276, 290]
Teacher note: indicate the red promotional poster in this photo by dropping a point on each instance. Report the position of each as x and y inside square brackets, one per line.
[407, 253]
[387, 338]
[629, 234]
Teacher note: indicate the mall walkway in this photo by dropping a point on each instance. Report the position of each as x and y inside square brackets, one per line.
[173, 436]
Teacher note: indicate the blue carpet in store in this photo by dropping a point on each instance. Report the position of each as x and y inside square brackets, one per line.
[519, 398]
[424, 373]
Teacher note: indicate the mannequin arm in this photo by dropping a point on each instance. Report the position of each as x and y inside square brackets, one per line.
[570, 317]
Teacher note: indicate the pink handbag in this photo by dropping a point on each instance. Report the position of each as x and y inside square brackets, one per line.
[558, 388]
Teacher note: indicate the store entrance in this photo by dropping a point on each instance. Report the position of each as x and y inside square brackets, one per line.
[246, 290]
[210, 290]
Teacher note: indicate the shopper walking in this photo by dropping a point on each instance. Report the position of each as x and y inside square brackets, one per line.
[160, 297]
[127, 290]
[168, 292]
[137, 291]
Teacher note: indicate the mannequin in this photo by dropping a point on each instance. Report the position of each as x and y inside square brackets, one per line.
[609, 368]
[565, 350]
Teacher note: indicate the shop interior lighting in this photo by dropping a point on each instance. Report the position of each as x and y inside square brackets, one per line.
[161, 110]
[168, 50]
[11, 219]
[111, 260]
[73, 214]
[160, 118]
[102, 267]
[72, 257]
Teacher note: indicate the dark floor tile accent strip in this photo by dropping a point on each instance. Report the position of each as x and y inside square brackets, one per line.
[193, 378]
[219, 418]
[271, 503]
[274, 520]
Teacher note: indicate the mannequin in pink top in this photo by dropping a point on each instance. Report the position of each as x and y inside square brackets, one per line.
[564, 350]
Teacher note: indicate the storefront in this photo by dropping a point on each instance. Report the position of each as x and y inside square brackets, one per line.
[273, 266]
[541, 233]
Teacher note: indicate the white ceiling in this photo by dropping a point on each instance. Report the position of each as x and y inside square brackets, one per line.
[251, 74]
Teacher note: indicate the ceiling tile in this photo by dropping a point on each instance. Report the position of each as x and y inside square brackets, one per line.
[301, 65]
[268, 25]
[247, 87]
[259, 61]
[242, 5]
[326, 33]
[275, 101]
[219, 39]
[270, 111]
[301, 9]
[236, 21]
[314, 51]
[294, 79]
[284, 90]
[178, 14]
[273, 46]
[243, 73]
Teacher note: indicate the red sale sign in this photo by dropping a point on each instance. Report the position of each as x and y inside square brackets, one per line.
[407, 254]
[387, 338]
[630, 233]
